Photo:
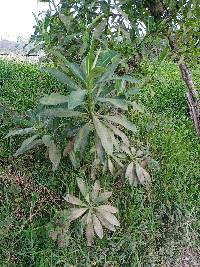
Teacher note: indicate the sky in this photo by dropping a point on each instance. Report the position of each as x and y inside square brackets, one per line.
[16, 17]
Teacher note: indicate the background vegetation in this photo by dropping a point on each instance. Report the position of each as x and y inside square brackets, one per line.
[159, 223]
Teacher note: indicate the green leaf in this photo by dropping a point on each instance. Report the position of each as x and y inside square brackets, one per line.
[20, 132]
[61, 113]
[76, 98]
[126, 78]
[137, 107]
[28, 144]
[122, 120]
[63, 78]
[104, 134]
[99, 29]
[106, 58]
[119, 103]
[54, 152]
[82, 186]
[74, 68]
[53, 99]
[81, 138]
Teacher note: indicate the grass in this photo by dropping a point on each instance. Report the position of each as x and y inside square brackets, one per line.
[159, 223]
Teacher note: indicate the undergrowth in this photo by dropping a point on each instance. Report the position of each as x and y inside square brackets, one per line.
[158, 222]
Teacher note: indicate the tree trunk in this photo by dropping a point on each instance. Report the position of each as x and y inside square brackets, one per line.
[192, 93]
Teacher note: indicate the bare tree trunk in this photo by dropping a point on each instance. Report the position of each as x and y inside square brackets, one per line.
[192, 93]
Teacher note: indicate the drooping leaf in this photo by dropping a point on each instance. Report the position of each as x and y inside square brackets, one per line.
[63, 78]
[89, 230]
[97, 227]
[28, 144]
[74, 200]
[126, 149]
[119, 133]
[76, 213]
[81, 138]
[142, 174]
[82, 186]
[117, 102]
[131, 175]
[103, 196]
[99, 149]
[60, 113]
[104, 135]
[108, 216]
[53, 99]
[108, 208]
[20, 132]
[54, 152]
[95, 190]
[122, 120]
[76, 98]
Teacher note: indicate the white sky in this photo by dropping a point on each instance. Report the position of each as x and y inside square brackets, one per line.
[16, 17]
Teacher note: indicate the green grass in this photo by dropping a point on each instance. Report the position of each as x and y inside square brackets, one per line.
[158, 222]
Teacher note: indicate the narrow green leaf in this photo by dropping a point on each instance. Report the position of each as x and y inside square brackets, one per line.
[106, 58]
[76, 98]
[104, 135]
[20, 132]
[122, 120]
[54, 152]
[119, 103]
[81, 138]
[53, 99]
[28, 144]
[61, 113]
[63, 78]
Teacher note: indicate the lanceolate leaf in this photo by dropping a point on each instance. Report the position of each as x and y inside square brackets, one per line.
[122, 120]
[54, 152]
[106, 58]
[106, 223]
[61, 113]
[142, 174]
[108, 208]
[95, 190]
[76, 213]
[53, 99]
[82, 186]
[99, 149]
[81, 139]
[20, 132]
[104, 135]
[97, 226]
[119, 103]
[28, 144]
[63, 78]
[74, 200]
[76, 98]
[103, 196]
[119, 133]
[130, 174]
[89, 230]
[110, 166]
[108, 216]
